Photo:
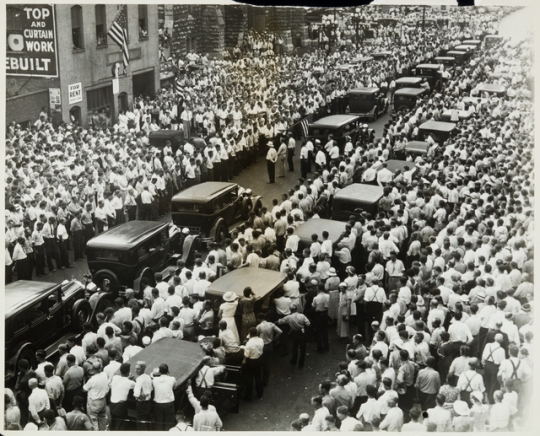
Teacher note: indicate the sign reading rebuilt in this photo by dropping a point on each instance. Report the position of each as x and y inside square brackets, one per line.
[31, 41]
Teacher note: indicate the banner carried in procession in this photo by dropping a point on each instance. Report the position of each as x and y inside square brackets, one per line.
[31, 46]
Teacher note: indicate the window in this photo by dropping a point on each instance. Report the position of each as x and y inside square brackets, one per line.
[101, 25]
[14, 18]
[77, 27]
[100, 101]
[143, 22]
[75, 115]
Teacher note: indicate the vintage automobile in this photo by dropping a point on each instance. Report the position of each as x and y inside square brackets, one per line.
[41, 315]
[339, 126]
[431, 72]
[440, 131]
[405, 99]
[380, 55]
[417, 148]
[491, 40]
[263, 282]
[120, 257]
[361, 59]
[310, 227]
[489, 89]
[469, 48]
[210, 209]
[448, 62]
[459, 56]
[395, 165]
[367, 102]
[462, 115]
[343, 67]
[408, 82]
[355, 199]
[474, 42]
[159, 138]
[184, 359]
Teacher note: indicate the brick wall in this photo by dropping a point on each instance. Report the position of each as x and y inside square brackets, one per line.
[26, 107]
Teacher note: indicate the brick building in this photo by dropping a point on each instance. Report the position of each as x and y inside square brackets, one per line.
[86, 61]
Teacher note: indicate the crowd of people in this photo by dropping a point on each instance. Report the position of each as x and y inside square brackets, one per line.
[433, 294]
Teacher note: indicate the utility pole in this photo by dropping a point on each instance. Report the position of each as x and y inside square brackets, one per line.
[423, 18]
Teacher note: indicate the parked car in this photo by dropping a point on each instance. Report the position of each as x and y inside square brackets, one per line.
[408, 82]
[355, 199]
[263, 282]
[440, 131]
[367, 102]
[120, 257]
[459, 56]
[159, 138]
[41, 315]
[469, 48]
[417, 148]
[489, 88]
[210, 209]
[310, 227]
[380, 55]
[361, 59]
[405, 99]
[339, 126]
[448, 62]
[430, 72]
[462, 115]
[474, 42]
[491, 40]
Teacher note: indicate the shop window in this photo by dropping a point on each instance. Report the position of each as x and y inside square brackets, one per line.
[77, 34]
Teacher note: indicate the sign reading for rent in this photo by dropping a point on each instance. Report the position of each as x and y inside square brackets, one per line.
[31, 41]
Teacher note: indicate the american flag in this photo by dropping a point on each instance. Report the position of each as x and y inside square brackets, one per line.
[118, 33]
[304, 124]
[179, 88]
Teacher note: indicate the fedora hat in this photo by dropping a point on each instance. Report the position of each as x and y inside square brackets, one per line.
[229, 296]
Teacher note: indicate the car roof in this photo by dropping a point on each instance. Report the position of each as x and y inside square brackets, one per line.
[203, 192]
[343, 67]
[409, 91]
[417, 145]
[430, 66]
[409, 80]
[393, 165]
[494, 87]
[261, 281]
[362, 59]
[305, 230]
[166, 133]
[462, 46]
[445, 58]
[24, 292]
[381, 53]
[494, 37]
[472, 41]
[364, 90]
[335, 121]
[456, 52]
[360, 192]
[438, 125]
[184, 358]
[127, 235]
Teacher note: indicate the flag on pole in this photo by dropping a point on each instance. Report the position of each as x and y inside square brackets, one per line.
[118, 33]
[179, 88]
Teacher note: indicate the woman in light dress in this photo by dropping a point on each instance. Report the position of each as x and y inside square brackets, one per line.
[227, 311]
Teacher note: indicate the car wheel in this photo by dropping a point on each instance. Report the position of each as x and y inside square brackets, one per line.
[403, 108]
[247, 207]
[258, 206]
[103, 275]
[103, 304]
[221, 233]
[81, 313]
[28, 354]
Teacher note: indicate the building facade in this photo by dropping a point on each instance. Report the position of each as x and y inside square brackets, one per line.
[91, 77]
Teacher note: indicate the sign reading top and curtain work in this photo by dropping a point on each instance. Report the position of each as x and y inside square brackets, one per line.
[31, 41]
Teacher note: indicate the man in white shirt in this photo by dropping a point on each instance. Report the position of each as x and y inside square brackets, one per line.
[97, 388]
[393, 420]
[370, 410]
[440, 416]
[164, 330]
[252, 364]
[207, 374]
[38, 401]
[120, 386]
[348, 423]
[459, 332]
[142, 393]
[319, 422]
[164, 386]
[384, 176]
